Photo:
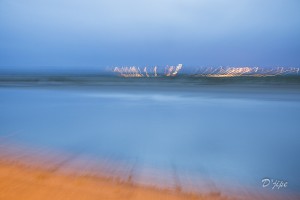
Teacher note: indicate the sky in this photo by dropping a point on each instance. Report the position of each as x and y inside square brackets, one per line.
[101, 33]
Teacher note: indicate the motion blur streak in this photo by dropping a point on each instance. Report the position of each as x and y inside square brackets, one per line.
[207, 71]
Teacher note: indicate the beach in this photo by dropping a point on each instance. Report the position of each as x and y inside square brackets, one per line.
[18, 180]
[32, 177]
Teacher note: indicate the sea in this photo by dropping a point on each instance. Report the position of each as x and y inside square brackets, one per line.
[220, 134]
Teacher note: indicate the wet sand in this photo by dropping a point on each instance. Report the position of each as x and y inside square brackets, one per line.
[28, 176]
[19, 181]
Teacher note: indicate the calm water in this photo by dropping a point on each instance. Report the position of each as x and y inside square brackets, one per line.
[233, 133]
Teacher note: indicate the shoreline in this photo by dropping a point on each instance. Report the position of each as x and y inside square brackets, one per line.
[35, 176]
[20, 181]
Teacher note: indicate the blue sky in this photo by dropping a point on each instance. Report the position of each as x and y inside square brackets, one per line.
[99, 33]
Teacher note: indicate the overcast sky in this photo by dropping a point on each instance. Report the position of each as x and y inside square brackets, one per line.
[101, 33]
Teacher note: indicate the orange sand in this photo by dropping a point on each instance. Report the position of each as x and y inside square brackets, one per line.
[18, 181]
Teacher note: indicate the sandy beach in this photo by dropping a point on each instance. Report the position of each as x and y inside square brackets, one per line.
[19, 181]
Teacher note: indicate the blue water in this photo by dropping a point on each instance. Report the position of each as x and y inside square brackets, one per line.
[235, 133]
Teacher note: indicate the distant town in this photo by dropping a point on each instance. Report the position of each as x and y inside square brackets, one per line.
[155, 71]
